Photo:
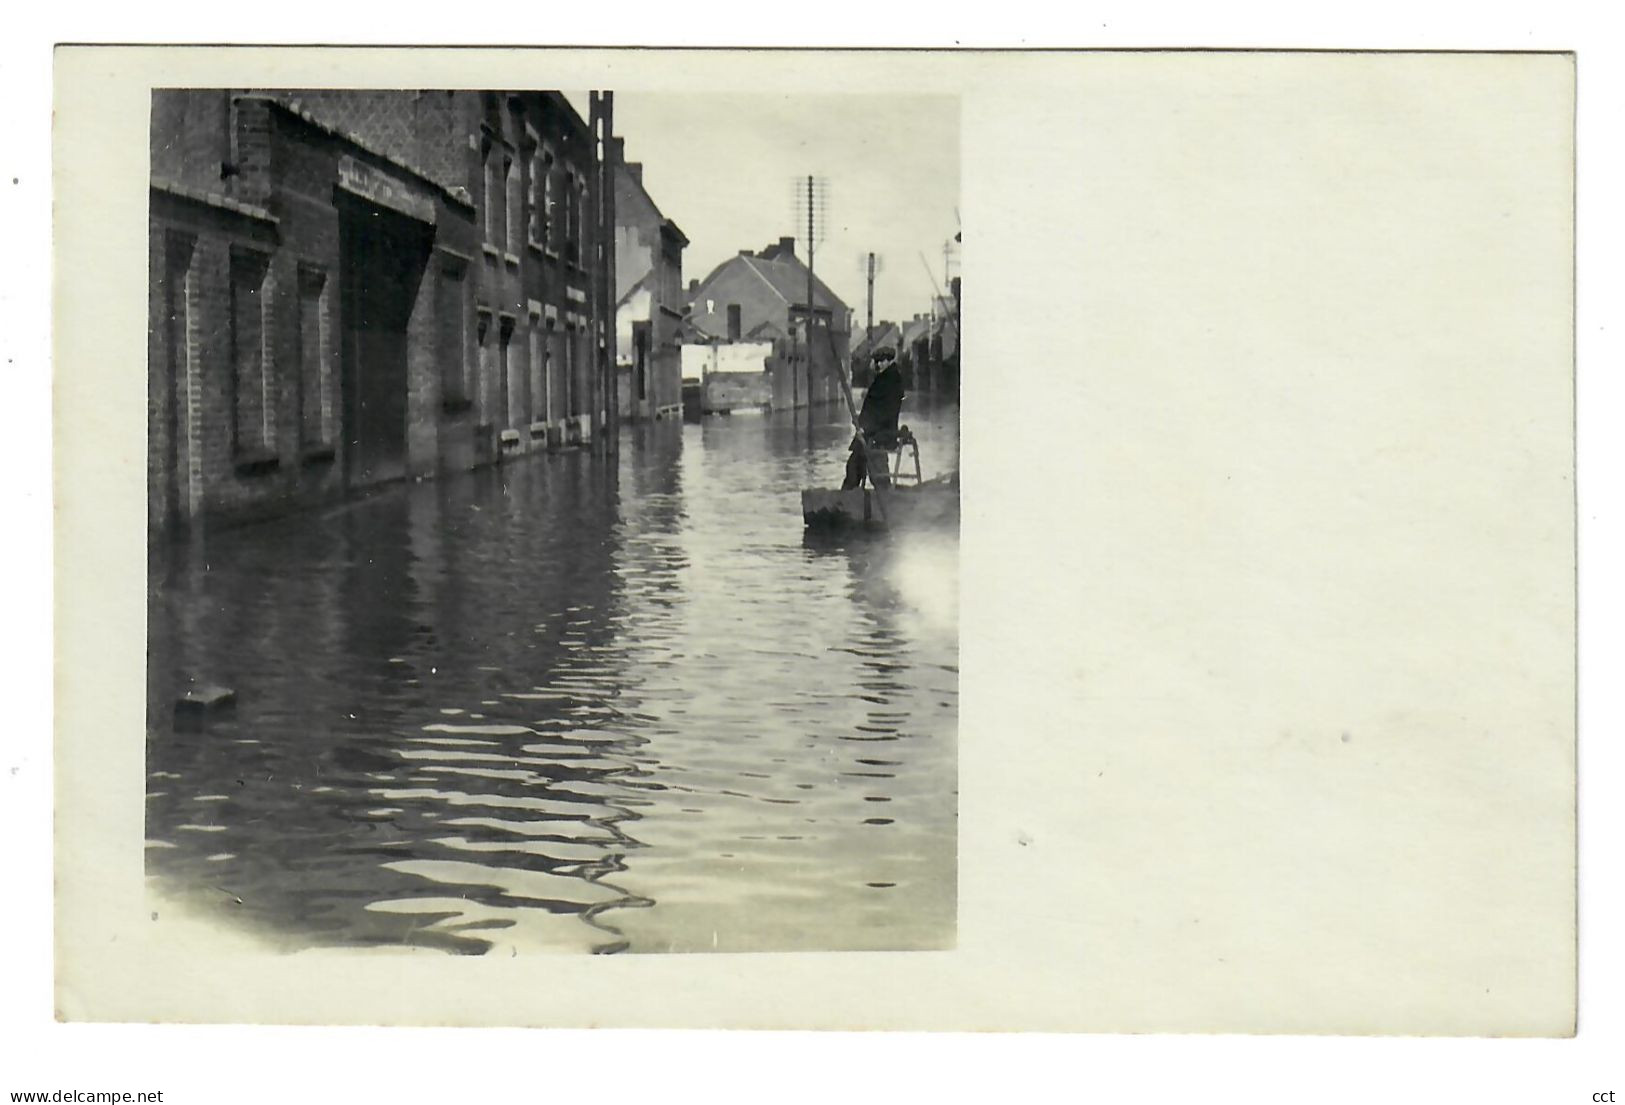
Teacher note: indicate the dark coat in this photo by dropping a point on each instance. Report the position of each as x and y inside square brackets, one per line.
[882, 403]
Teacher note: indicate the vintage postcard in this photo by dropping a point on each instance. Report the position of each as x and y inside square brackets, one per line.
[509, 507]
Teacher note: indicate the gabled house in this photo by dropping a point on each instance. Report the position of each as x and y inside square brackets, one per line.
[649, 299]
[762, 296]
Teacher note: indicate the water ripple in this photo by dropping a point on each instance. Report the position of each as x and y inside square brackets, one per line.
[568, 706]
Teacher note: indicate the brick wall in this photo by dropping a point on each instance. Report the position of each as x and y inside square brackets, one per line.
[380, 118]
[441, 139]
[189, 139]
[252, 128]
[289, 168]
[302, 197]
[159, 383]
[207, 468]
[423, 129]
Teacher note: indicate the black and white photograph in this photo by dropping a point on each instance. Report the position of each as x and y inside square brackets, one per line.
[536, 545]
[553, 505]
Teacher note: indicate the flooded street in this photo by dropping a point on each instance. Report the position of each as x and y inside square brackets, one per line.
[569, 704]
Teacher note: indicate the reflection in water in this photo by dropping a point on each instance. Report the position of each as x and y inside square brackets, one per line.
[568, 704]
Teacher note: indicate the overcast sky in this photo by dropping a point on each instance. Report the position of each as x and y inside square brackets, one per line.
[722, 167]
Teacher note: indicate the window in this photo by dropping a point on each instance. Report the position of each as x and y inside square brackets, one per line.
[315, 363]
[538, 370]
[570, 216]
[551, 213]
[515, 219]
[252, 409]
[533, 196]
[488, 364]
[735, 322]
[579, 195]
[554, 370]
[573, 213]
[452, 304]
[570, 361]
[493, 194]
[505, 389]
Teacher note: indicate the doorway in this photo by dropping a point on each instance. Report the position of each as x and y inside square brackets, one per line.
[640, 347]
[382, 258]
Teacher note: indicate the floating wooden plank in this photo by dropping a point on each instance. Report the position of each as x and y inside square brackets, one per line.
[196, 706]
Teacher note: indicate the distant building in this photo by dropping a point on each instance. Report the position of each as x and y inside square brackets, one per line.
[348, 288]
[914, 346]
[649, 299]
[762, 297]
[928, 347]
[942, 361]
[885, 335]
[732, 375]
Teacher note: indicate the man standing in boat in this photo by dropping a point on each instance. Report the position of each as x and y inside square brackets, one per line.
[877, 421]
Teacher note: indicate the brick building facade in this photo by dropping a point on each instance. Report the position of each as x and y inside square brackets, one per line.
[348, 288]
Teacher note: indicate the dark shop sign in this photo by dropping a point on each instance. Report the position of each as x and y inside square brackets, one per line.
[361, 179]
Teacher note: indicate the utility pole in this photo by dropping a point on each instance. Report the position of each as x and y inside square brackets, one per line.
[611, 159]
[809, 298]
[869, 322]
[593, 259]
[605, 414]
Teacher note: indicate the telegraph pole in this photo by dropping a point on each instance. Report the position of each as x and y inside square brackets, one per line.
[809, 299]
[813, 195]
[595, 269]
[602, 390]
[606, 265]
[869, 322]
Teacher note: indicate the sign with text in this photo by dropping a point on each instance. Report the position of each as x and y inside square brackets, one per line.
[373, 184]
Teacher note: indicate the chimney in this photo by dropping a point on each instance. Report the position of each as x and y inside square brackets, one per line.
[693, 286]
[635, 168]
[787, 247]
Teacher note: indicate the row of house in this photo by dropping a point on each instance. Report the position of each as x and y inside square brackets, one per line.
[353, 287]
[926, 346]
[745, 344]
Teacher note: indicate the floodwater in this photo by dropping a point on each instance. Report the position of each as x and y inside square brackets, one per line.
[568, 704]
